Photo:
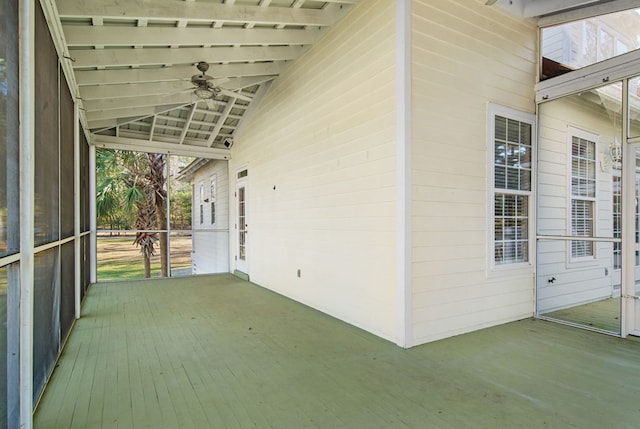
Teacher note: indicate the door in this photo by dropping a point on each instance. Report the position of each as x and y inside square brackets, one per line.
[242, 262]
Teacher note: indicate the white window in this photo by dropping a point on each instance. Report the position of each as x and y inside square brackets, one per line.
[583, 192]
[617, 220]
[212, 200]
[511, 138]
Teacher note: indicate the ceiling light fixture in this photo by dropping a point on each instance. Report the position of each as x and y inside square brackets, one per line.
[204, 93]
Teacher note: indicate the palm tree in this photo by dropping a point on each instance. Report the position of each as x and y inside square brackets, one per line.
[134, 180]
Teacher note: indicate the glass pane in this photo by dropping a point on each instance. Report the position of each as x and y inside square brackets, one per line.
[580, 43]
[510, 228]
[586, 298]
[634, 107]
[578, 193]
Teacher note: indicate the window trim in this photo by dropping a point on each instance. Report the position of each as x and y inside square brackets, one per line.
[494, 269]
[595, 138]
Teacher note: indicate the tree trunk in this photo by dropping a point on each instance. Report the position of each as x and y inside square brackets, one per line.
[147, 267]
[162, 224]
[157, 179]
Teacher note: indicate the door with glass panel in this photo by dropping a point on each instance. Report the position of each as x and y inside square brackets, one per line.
[242, 262]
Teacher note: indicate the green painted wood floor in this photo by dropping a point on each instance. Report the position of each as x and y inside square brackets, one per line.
[218, 352]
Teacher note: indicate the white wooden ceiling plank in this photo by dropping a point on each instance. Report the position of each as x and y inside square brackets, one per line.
[182, 73]
[160, 56]
[77, 36]
[169, 10]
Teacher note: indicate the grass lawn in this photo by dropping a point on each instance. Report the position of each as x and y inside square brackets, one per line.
[120, 259]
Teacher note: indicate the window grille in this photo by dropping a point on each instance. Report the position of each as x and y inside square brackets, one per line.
[583, 193]
[512, 144]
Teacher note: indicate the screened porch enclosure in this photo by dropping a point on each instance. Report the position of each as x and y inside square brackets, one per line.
[143, 206]
[588, 184]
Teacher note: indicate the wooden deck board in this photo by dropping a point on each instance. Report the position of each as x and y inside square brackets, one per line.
[218, 352]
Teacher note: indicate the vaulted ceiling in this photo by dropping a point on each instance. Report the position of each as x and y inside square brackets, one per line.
[132, 61]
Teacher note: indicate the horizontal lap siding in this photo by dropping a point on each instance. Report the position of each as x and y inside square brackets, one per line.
[211, 241]
[464, 55]
[320, 151]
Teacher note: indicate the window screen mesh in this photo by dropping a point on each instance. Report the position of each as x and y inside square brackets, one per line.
[47, 177]
[9, 131]
[67, 288]
[67, 208]
[46, 323]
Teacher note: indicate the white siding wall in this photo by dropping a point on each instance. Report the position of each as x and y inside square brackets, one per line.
[211, 241]
[588, 280]
[464, 55]
[320, 152]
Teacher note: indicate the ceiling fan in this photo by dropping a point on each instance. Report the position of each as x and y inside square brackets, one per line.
[204, 88]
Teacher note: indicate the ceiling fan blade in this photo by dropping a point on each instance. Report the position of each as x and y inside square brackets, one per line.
[234, 94]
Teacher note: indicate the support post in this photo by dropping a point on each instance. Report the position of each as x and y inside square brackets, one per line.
[27, 197]
[403, 174]
[93, 213]
[76, 207]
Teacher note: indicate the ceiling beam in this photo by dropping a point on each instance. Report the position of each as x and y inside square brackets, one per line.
[185, 128]
[95, 92]
[587, 12]
[130, 114]
[171, 10]
[135, 101]
[220, 123]
[182, 73]
[544, 7]
[170, 36]
[184, 56]
[137, 145]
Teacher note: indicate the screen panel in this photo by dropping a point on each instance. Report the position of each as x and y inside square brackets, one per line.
[46, 135]
[46, 323]
[67, 182]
